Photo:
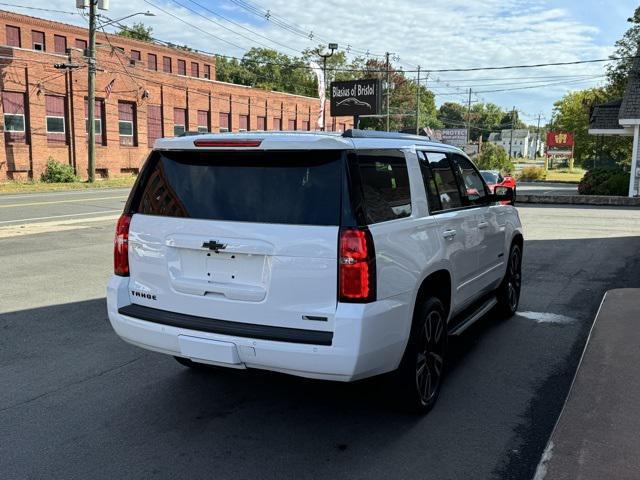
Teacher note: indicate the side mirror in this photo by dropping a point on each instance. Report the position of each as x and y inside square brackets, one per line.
[504, 195]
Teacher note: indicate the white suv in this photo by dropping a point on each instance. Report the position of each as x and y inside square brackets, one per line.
[327, 256]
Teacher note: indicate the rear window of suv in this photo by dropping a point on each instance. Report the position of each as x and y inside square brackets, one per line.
[293, 187]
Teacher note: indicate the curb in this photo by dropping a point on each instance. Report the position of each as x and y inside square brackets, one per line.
[579, 200]
[595, 435]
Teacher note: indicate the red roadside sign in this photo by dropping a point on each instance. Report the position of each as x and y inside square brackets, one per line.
[560, 140]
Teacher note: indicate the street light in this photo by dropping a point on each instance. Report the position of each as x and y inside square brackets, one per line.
[333, 47]
[110, 22]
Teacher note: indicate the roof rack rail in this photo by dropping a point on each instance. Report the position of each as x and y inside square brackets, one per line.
[355, 133]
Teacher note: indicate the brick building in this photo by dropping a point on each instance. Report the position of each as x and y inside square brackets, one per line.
[144, 91]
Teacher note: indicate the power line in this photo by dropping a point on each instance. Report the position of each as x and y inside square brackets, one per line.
[39, 9]
[293, 28]
[194, 26]
[230, 29]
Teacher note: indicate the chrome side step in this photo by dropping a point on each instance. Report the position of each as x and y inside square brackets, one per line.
[475, 316]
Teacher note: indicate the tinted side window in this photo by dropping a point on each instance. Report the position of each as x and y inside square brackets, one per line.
[445, 181]
[473, 183]
[385, 185]
[429, 184]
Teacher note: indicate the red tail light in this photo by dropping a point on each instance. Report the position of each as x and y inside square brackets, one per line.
[356, 265]
[121, 246]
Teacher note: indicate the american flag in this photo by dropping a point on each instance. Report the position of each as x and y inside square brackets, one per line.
[109, 88]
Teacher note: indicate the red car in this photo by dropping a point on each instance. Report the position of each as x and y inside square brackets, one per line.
[495, 179]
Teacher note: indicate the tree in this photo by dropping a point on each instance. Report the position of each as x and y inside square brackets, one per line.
[626, 47]
[138, 32]
[571, 114]
[493, 157]
[452, 115]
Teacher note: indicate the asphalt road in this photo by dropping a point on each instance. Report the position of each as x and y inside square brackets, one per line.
[547, 188]
[77, 402]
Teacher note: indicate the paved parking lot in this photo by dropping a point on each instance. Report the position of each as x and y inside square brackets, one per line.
[79, 403]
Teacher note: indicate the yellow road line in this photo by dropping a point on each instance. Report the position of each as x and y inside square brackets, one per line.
[90, 199]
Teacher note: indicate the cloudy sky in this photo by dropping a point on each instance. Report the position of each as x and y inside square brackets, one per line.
[435, 34]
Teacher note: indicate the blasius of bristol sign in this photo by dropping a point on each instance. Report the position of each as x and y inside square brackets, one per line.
[356, 97]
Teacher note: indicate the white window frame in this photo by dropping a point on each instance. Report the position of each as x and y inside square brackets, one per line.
[64, 124]
[98, 131]
[24, 124]
[223, 129]
[203, 129]
[175, 125]
[125, 134]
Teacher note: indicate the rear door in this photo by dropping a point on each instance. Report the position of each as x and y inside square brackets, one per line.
[457, 224]
[240, 236]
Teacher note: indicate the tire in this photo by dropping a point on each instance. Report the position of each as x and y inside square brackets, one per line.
[509, 291]
[419, 377]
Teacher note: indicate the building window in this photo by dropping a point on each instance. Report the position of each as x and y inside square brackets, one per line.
[203, 121]
[14, 117]
[13, 36]
[182, 67]
[224, 122]
[244, 123]
[81, 44]
[277, 124]
[261, 123]
[152, 61]
[154, 124]
[60, 44]
[207, 71]
[55, 119]
[127, 123]
[305, 125]
[135, 55]
[98, 116]
[179, 121]
[292, 125]
[195, 69]
[166, 64]
[37, 40]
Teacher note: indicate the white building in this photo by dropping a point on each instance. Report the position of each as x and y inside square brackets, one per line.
[520, 142]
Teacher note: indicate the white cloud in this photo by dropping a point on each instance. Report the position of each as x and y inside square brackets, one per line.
[433, 34]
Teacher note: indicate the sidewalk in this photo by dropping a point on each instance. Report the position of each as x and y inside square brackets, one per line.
[597, 435]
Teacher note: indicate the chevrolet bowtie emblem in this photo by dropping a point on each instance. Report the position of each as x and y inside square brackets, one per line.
[213, 245]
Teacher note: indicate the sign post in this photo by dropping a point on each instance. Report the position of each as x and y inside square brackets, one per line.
[355, 98]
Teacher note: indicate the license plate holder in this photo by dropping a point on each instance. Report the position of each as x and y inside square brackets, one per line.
[209, 350]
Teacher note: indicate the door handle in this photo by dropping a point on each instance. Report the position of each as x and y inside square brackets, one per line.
[482, 225]
[449, 234]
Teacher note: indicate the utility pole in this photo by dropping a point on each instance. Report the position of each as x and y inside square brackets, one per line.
[418, 103]
[91, 94]
[513, 122]
[537, 136]
[388, 89]
[469, 118]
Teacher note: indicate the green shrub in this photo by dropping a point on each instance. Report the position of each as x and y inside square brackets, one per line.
[532, 174]
[603, 181]
[57, 172]
[494, 157]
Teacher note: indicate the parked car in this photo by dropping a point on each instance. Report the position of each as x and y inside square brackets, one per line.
[495, 179]
[335, 257]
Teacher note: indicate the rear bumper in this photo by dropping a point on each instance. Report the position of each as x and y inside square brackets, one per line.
[368, 339]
